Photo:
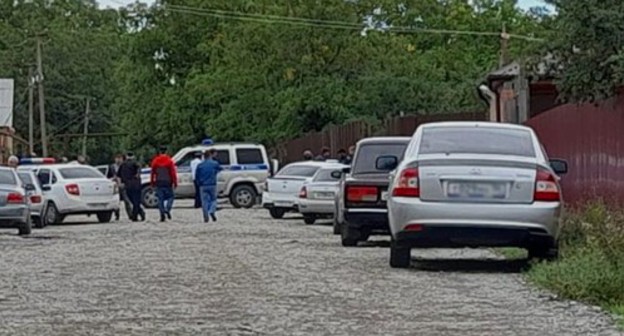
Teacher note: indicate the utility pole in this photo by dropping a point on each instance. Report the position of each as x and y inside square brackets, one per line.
[504, 39]
[86, 128]
[31, 110]
[44, 137]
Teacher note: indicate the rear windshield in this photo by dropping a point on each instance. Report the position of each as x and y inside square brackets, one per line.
[298, 170]
[324, 175]
[477, 140]
[7, 177]
[26, 178]
[79, 173]
[367, 154]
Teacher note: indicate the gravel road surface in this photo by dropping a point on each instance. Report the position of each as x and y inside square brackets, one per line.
[252, 275]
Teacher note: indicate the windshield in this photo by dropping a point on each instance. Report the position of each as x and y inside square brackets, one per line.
[298, 170]
[79, 173]
[7, 177]
[26, 178]
[367, 154]
[324, 175]
[477, 140]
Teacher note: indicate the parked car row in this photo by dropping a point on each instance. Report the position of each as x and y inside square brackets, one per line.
[450, 185]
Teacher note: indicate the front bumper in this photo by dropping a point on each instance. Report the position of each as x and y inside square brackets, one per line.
[372, 219]
[473, 225]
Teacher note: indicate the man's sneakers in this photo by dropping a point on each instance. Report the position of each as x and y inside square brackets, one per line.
[168, 214]
[162, 217]
[213, 216]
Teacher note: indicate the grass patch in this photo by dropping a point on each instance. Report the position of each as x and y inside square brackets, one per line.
[511, 252]
[591, 263]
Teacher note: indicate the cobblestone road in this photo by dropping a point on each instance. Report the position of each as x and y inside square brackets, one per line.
[251, 275]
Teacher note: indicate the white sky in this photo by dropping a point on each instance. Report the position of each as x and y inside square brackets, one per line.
[117, 3]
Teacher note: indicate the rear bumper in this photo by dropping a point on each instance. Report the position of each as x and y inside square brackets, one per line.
[13, 216]
[269, 202]
[473, 224]
[372, 219]
[79, 208]
[317, 207]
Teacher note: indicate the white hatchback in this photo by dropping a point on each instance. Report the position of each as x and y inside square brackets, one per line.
[72, 189]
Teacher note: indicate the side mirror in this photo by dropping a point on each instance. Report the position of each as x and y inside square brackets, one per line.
[46, 187]
[30, 187]
[386, 163]
[346, 170]
[559, 166]
[337, 174]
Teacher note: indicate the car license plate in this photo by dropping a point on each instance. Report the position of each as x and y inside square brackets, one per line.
[476, 190]
[324, 195]
[384, 195]
[282, 204]
[98, 205]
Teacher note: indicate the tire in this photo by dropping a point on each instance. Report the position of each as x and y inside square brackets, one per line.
[105, 217]
[38, 222]
[309, 219]
[149, 197]
[364, 236]
[349, 236]
[243, 196]
[337, 226]
[277, 213]
[52, 215]
[400, 257]
[544, 253]
[25, 228]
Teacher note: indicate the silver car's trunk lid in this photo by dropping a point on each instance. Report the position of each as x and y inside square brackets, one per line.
[289, 185]
[478, 179]
[322, 190]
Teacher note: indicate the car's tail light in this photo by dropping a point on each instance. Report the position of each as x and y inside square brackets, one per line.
[414, 228]
[407, 184]
[35, 199]
[72, 189]
[361, 194]
[303, 193]
[546, 187]
[15, 198]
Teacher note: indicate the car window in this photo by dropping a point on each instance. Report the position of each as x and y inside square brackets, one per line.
[324, 175]
[44, 176]
[298, 170]
[249, 156]
[223, 157]
[26, 178]
[79, 173]
[185, 161]
[476, 140]
[7, 177]
[367, 154]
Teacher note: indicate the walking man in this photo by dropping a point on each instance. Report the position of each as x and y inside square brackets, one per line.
[165, 179]
[130, 176]
[196, 161]
[207, 178]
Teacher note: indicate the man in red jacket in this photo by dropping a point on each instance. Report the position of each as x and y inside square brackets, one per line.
[164, 178]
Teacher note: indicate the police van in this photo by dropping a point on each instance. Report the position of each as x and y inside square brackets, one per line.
[246, 167]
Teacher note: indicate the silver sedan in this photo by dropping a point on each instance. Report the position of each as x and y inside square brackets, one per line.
[469, 184]
[317, 197]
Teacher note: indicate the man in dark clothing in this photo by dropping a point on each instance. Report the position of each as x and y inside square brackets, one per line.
[112, 175]
[130, 176]
[343, 157]
[307, 155]
[165, 178]
[325, 154]
[207, 179]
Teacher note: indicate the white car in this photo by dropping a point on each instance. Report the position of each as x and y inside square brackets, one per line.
[317, 197]
[281, 193]
[71, 189]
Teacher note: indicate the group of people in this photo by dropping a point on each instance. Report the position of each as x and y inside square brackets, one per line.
[344, 157]
[126, 171]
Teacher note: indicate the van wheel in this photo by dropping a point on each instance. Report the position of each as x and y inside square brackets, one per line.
[25, 228]
[400, 257]
[277, 213]
[149, 198]
[243, 196]
[105, 217]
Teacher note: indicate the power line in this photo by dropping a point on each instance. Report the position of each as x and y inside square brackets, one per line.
[330, 24]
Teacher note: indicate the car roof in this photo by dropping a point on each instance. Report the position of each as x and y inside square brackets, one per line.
[386, 139]
[221, 145]
[321, 164]
[54, 165]
[475, 124]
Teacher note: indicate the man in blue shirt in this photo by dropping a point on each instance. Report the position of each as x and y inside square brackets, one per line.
[206, 176]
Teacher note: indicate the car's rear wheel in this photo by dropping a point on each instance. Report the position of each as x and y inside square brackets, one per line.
[105, 217]
[349, 236]
[400, 257]
[243, 196]
[309, 219]
[277, 213]
[25, 228]
[149, 198]
[544, 253]
[52, 215]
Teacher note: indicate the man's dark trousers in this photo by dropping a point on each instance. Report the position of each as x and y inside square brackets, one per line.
[198, 202]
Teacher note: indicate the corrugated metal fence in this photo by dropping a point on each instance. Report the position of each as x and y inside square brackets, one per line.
[343, 136]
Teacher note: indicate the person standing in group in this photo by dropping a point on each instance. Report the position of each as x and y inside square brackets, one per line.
[343, 157]
[196, 161]
[308, 155]
[113, 174]
[165, 179]
[207, 178]
[350, 154]
[325, 155]
[13, 161]
[130, 176]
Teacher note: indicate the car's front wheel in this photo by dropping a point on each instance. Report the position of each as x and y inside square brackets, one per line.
[105, 217]
[277, 213]
[400, 257]
[243, 196]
